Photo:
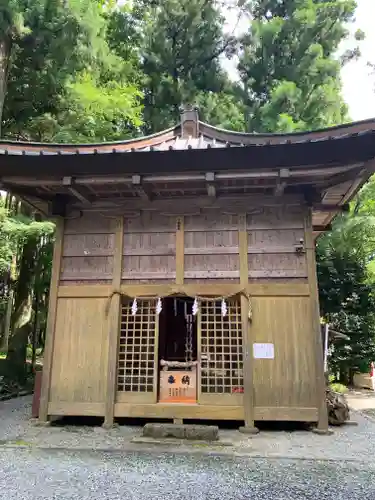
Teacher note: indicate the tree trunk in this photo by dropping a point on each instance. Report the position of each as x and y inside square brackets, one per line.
[7, 322]
[5, 51]
[15, 368]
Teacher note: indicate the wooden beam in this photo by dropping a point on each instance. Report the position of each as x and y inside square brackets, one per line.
[76, 191]
[321, 229]
[51, 321]
[114, 320]
[341, 178]
[281, 184]
[248, 382]
[139, 188]
[39, 207]
[315, 171]
[318, 345]
[210, 183]
[180, 250]
[321, 207]
[238, 203]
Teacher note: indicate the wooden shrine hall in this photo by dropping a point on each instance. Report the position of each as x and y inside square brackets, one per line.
[184, 276]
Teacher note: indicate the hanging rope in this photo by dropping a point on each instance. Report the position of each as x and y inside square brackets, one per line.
[198, 298]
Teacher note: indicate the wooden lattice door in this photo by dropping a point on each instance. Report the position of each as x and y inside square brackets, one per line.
[220, 354]
[138, 354]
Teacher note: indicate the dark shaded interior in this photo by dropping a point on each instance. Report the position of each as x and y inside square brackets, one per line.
[173, 329]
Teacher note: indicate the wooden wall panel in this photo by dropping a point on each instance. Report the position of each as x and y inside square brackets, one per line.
[88, 244]
[90, 223]
[149, 252]
[289, 379]
[79, 365]
[211, 247]
[273, 234]
[277, 217]
[86, 268]
[88, 249]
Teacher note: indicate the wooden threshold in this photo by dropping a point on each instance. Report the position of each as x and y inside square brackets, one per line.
[176, 410]
[185, 411]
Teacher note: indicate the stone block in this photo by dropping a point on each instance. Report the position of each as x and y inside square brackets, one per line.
[158, 431]
[197, 432]
[202, 432]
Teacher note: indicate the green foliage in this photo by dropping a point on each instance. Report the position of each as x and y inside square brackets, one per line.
[340, 388]
[60, 67]
[221, 109]
[346, 288]
[92, 112]
[180, 48]
[290, 76]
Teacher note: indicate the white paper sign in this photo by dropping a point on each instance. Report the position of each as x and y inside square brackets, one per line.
[264, 351]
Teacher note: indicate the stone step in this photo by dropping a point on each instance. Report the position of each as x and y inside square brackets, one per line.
[181, 431]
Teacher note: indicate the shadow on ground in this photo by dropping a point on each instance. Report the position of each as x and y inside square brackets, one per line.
[140, 422]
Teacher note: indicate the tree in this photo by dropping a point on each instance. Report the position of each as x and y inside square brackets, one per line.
[61, 48]
[290, 76]
[91, 111]
[24, 243]
[180, 45]
[346, 287]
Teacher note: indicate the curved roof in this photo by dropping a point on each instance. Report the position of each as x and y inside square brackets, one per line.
[194, 158]
[174, 139]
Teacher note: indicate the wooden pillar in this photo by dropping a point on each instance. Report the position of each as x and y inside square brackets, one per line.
[248, 395]
[114, 320]
[315, 318]
[51, 321]
[180, 250]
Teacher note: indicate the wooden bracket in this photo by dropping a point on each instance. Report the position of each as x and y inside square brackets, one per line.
[210, 183]
[281, 182]
[139, 188]
[76, 191]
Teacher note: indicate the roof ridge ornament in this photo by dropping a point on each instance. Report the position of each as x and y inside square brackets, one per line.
[189, 121]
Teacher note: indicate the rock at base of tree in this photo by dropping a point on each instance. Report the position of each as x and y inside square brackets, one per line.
[338, 408]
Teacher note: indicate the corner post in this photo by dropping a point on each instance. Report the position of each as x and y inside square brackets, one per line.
[248, 396]
[51, 321]
[114, 320]
[180, 250]
[322, 427]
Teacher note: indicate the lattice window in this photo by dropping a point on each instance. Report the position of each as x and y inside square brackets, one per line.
[137, 347]
[221, 348]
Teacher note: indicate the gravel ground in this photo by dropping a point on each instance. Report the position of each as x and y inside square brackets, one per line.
[351, 442]
[46, 474]
[69, 463]
[14, 417]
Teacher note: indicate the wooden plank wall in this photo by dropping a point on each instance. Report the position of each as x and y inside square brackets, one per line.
[208, 244]
[273, 233]
[88, 250]
[211, 247]
[149, 252]
[79, 365]
[288, 380]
